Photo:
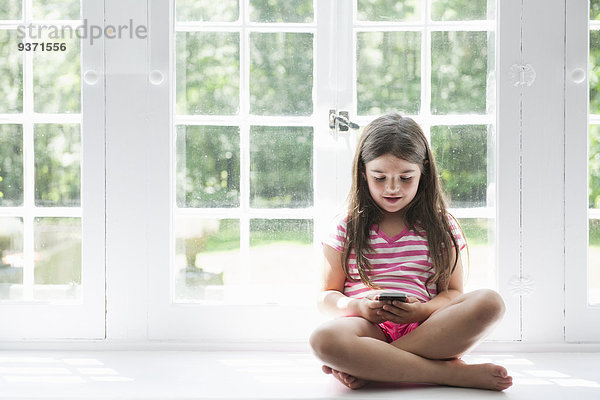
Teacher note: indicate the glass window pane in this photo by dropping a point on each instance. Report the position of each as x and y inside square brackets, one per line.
[274, 240]
[11, 165]
[57, 258]
[10, 9]
[11, 257]
[56, 9]
[461, 156]
[479, 261]
[459, 10]
[594, 262]
[459, 72]
[11, 72]
[281, 167]
[389, 10]
[594, 222]
[57, 165]
[208, 73]
[298, 11]
[281, 73]
[388, 72]
[208, 166]
[207, 257]
[57, 77]
[594, 72]
[594, 167]
[207, 10]
[595, 9]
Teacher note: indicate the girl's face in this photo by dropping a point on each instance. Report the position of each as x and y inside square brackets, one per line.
[393, 182]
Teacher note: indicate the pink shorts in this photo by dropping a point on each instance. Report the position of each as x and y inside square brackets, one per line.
[393, 331]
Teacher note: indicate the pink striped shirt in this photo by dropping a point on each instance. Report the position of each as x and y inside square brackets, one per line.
[400, 263]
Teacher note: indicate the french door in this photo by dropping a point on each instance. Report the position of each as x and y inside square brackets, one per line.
[257, 175]
[51, 172]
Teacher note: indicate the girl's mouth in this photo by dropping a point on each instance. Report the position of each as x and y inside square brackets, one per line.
[392, 200]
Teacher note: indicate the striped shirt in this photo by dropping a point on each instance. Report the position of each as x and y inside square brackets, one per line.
[400, 263]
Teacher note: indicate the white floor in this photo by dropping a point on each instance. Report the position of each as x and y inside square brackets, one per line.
[264, 375]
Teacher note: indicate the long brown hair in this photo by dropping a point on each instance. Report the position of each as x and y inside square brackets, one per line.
[403, 138]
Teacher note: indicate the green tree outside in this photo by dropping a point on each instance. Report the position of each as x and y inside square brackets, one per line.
[298, 11]
[461, 156]
[208, 166]
[11, 165]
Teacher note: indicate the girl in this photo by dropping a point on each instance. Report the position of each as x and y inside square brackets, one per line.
[398, 236]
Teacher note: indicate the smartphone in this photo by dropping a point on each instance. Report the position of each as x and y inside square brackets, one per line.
[392, 296]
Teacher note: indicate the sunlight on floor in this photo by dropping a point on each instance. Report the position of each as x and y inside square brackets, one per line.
[264, 375]
[294, 369]
[530, 376]
[56, 370]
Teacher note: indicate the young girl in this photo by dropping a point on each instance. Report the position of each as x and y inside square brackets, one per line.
[398, 237]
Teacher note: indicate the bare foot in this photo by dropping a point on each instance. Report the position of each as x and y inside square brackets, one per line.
[482, 376]
[348, 380]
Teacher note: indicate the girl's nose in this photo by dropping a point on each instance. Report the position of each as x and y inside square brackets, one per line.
[393, 185]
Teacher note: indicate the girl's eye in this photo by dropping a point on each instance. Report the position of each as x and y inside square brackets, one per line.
[379, 179]
[408, 178]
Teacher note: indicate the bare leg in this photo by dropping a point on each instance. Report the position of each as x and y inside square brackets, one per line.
[361, 328]
[455, 329]
[357, 347]
[371, 359]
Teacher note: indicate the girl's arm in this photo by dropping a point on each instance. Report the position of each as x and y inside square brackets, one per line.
[332, 299]
[415, 311]
[455, 289]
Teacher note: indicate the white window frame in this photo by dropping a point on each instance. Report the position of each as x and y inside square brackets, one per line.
[539, 219]
[508, 107]
[542, 164]
[137, 167]
[46, 320]
[582, 320]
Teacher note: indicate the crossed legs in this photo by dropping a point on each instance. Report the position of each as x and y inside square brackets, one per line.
[355, 351]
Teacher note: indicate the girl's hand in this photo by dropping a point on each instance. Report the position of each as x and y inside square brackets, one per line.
[370, 309]
[404, 313]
